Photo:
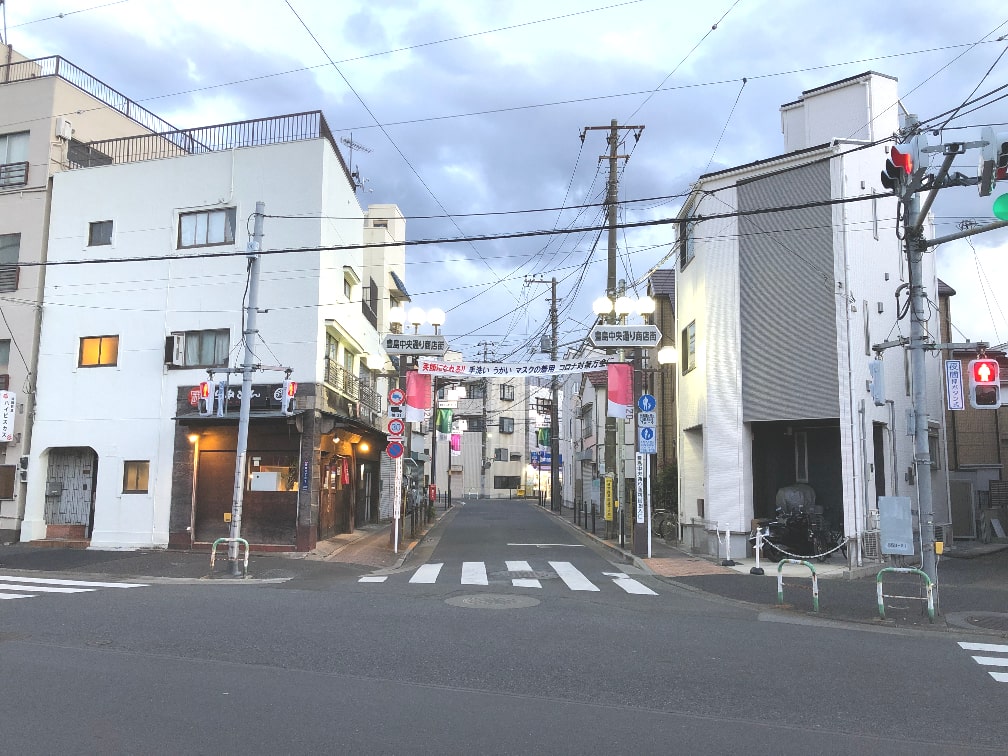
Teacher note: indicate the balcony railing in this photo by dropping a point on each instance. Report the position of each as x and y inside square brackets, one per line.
[295, 127]
[13, 174]
[60, 67]
[351, 386]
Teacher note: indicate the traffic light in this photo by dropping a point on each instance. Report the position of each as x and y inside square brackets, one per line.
[993, 160]
[287, 396]
[898, 171]
[1000, 208]
[985, 384]
[205, 400]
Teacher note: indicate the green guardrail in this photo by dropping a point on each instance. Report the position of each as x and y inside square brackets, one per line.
[229, 541]
[928, 584]
[780, 581]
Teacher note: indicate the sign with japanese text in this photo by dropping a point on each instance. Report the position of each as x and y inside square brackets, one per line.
[954, 385]
[404, 343]
[615, 336]
[505, 369]
[8, 409]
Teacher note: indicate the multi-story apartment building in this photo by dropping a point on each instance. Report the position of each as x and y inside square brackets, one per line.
[145, 285]
[49, 111]
[778, 313]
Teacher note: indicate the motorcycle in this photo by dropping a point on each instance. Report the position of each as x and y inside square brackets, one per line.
[796, 533]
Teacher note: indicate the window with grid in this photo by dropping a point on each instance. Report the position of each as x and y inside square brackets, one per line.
[207, 348]
[687, 238]
[206, 227]
[14, 159]
[507, 392]
[100, 233]
[10, 253]
[98, 351]
[506, 425]
[136, 475]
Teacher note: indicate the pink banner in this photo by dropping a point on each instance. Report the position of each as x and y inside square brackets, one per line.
[620, 390]
[418, 396]
[456, 444]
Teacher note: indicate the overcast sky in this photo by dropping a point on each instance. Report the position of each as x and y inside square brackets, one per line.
[474, 109]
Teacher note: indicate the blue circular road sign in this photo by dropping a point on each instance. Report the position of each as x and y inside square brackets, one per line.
[394, 449]
[646, 403]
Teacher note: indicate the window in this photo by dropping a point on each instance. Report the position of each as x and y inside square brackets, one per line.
[501, 455]
[98, 351]
[14, 159]
[10, 253]
[507, 481]
[380, 223]
[206, 348]
[475, 390]
[688, 347]
[506, 425]
[507, 392]
[801, 456]
[347, 289]
[4, 361]
[206, 227]
[276, 471]
[687, 243]
[100, 233]
[136, 474]
[473, 423]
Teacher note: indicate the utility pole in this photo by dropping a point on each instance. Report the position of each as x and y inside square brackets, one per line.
[484, 460]
[248, 365]
[556, 497]
[611, 200]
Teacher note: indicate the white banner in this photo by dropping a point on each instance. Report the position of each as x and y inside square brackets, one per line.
[508, 369]
[8, 409]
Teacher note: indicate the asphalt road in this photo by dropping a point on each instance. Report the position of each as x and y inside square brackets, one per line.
[583, 662]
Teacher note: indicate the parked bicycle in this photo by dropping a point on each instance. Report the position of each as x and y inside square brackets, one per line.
[665, 524]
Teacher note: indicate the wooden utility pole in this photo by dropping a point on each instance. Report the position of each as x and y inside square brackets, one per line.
[611, 200]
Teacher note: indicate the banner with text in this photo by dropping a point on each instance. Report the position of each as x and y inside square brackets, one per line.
[507, 369]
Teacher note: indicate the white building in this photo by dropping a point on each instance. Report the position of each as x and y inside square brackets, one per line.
[50, 110]
[777, 314]
[144, 298]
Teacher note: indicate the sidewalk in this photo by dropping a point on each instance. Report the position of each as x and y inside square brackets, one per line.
[972, 583]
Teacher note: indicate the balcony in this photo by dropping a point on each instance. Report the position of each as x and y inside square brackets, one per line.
[352, 387]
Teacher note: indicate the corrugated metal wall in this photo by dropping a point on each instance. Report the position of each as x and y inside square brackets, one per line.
[787, 310]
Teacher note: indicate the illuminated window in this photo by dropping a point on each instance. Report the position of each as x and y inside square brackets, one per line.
[98, 351]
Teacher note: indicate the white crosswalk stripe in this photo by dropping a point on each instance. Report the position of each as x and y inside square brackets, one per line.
[17, 587]
[521, 574]
[989, 661]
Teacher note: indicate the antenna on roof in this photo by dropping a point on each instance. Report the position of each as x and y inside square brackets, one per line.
[351, 145]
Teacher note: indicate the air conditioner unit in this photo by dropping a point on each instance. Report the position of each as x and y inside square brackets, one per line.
[64, 129]
[23, 469]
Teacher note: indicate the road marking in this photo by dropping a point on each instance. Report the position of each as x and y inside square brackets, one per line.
[427, 573]
[546, 545]
[630, 585]
[16, 595]
[990, 661]
[521, 566]
[991, 647]
[43, 588]
[55, 581]
[373, 579]
[574, 579]
[474, 573]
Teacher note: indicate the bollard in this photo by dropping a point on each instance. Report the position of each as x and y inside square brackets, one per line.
[780, 581]
[727, 561]
[757, 570]
[929, 589]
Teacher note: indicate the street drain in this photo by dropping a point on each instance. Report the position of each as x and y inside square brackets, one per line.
[492, 601]
[997, 622]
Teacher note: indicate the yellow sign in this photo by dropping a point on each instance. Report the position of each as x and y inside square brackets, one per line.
[227, 517]
[608, 498]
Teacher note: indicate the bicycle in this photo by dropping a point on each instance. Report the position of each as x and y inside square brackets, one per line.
[665, 524]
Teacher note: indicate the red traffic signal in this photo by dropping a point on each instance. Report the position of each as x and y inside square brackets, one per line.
[287, 396]
[291, 388]
[206, 396]
[985, 384]
[899, 168]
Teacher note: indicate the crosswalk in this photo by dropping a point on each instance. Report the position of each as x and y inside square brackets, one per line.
[992, 655]
[520, 574]
[18, 587]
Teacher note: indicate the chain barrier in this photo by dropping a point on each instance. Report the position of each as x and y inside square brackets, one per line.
[841, 544]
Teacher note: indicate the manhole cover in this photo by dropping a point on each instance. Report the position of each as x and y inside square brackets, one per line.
[492, 601]
[997, 622]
